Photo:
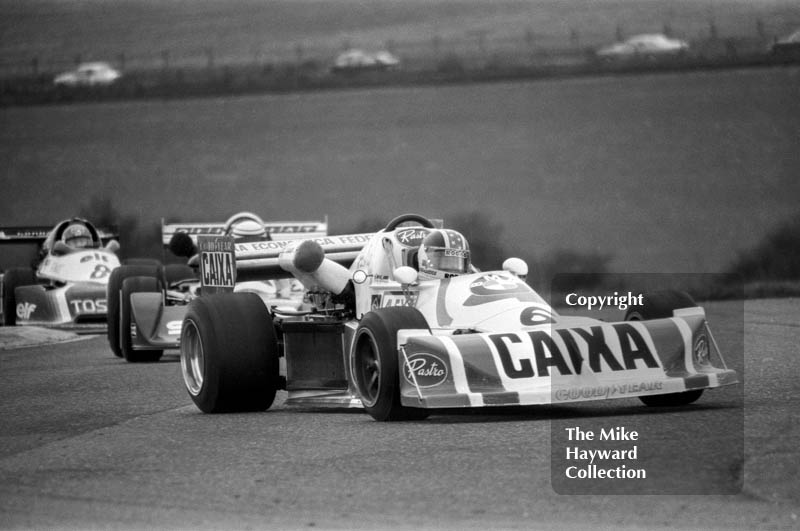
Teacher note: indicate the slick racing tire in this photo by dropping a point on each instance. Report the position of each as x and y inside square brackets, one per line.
[113, 294]
[229, 353]
[19, 276]
[375, 367]
[660, 305]
[135, 285]
[177, 272]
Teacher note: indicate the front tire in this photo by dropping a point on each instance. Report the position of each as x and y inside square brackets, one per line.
[229, 353]
[114, 294]
[661, 305]
[18, 276]
[375, 366]
[129, 286]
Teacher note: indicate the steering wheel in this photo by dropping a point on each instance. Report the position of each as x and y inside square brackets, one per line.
[238, 218]
[404, 218]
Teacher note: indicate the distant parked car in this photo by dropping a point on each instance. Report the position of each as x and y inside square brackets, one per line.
[356, 59]
[788, 45]
[645, 46]
[88, 75]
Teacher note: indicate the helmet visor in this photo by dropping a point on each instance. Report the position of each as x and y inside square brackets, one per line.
[79, 241]
[448, 260]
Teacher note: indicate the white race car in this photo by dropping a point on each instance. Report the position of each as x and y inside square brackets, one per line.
[67, 287]
[412, 326]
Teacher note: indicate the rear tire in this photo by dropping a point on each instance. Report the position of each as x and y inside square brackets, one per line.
[113, 294]
[660, 305]
[229, 353]
[13, 278]
[375, 366]
[135, 285]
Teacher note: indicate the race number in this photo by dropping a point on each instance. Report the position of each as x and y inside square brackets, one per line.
[217, 263]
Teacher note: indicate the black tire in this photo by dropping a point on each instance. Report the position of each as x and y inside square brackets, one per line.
[176, 272]
[660, 305]
[143, 284]
[229, 353]
[13, 278]
[113, 292]
[374, 363]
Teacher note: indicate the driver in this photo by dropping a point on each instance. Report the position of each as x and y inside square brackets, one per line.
[443, 254]
[77, 236]
[249, 230]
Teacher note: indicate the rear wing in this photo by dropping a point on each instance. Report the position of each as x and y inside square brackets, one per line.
[278, 230]
[259, 260]
[38, 234]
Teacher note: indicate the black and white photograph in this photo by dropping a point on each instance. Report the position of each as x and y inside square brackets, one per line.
[399, 264]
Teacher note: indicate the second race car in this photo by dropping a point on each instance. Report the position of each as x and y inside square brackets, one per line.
[147, 303]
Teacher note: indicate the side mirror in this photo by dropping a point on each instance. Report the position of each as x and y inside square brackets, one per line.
[517, 267]
[112, 246]
[405, 275]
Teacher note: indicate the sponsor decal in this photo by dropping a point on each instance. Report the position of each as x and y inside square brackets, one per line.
[496, 287]
[701, 350]
[25, 309]
[217, 262]
[219, 230]
[428, 370]
[88, 306]
[279, 245]
[516, 360]
[533, 316]
[394, 298]
[458, 253]
[411, 237]
[174, 328]
[606, 391]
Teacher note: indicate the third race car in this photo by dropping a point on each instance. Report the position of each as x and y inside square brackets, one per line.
[66, 286]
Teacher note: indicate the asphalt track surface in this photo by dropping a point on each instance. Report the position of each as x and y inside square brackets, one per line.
[91, 442]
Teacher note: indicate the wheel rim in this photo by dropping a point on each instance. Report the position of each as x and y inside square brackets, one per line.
[368, 370]
[192, 359]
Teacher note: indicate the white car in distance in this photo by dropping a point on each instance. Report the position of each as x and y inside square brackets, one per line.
[88, 75]
[644, 46]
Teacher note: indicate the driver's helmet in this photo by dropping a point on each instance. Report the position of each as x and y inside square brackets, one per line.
[248, 230]
[443, 254]
[77, 236]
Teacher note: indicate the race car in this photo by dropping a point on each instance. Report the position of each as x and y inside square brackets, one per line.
[147, 302]
[402, 324]
[66, 287]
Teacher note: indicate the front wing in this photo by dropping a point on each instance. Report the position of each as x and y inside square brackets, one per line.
[80, 306]
[558, 365]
